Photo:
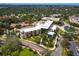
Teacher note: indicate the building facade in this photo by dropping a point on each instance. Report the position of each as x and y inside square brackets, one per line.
[39, 28]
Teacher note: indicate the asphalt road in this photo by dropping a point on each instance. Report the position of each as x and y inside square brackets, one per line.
[73, 48]
[33, 46]
[72, 43]
[58, 50]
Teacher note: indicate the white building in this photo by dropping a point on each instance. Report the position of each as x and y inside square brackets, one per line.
[52, 30]
[47, 24]
[54, 27]
[34, 30]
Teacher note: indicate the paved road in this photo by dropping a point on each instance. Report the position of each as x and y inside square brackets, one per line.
[73, 48]
[35, 47]
[58, 51]
[72, 43]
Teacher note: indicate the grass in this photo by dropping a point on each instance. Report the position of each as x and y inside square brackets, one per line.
[28, 52]
[67, 21]
[66, 52]
[60, 32]
[35, 39]
[51, 44]
[70, 29]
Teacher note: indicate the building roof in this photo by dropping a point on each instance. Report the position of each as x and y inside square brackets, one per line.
[38, 26]
[45, 18]
[55, 15]
[55, 19]
[50, 33]
[54, 27]
[51, 18]
[30, 29]
[46, 25]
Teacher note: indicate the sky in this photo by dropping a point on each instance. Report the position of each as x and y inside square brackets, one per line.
[39, 1]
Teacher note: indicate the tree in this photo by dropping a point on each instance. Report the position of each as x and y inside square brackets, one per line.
[11, 44]
[65, 43]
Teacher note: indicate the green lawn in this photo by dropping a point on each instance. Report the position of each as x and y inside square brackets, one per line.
[66, 52]
[60, 32]
[28, 52]
[35, 39]
[69, 29]
[66, 20]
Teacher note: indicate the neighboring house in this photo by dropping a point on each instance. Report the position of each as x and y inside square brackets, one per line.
[74, 19]
[4, 17]
[24, 24]
[13, 25]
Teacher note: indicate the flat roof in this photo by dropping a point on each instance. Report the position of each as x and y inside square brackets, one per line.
[51, 18]
[47, 24]
[30, 29]
[38, 26]
[55, 15]
[46, 18]
[55, 19]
